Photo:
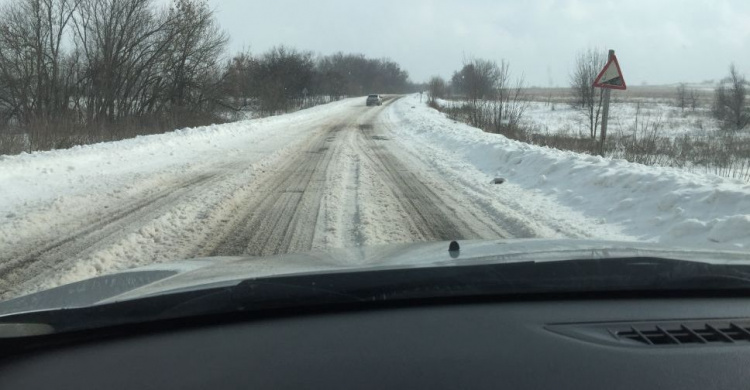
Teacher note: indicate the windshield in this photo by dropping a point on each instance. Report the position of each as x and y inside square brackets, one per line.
[145, 133]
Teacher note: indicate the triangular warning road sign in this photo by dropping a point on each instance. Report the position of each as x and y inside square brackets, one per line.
[610, 76]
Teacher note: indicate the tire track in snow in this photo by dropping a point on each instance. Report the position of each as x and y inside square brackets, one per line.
[282, 215]
[291, 207]
[436, 215]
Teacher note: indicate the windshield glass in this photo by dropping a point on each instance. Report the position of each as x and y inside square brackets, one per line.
[145, 133]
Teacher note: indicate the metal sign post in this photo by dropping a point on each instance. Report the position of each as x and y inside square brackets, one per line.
[609, 78]
[605, 112]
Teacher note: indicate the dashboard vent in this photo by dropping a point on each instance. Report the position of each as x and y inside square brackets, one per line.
[665, 334]
[685, 333]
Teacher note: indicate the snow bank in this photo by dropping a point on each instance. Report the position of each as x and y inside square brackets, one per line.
[655, 204]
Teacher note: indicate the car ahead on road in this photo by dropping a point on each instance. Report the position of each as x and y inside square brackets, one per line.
[516, 314]
[374, 100]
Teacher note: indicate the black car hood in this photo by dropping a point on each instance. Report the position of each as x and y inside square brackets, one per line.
[212, 272]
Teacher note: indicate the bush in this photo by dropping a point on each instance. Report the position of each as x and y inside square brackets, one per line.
[730, 105]
[436, 88]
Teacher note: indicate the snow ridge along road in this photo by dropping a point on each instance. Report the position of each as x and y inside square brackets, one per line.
[331, 176]
[576, 193]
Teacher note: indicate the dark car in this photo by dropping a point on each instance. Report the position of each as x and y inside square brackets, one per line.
[374, 100]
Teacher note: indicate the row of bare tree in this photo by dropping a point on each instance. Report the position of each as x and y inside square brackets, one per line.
[99, 62]
[279, 78]
[79, 71]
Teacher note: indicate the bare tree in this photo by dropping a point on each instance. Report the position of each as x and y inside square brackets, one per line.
[478, 82]
[34, 81]
[121, 42]
[193, 53]
[283, 76]
[95, 67]
[586, 98]
[730, 101]
[238, 79]
[509, 103]
[436, 88]
[495, 101]
[477, 79]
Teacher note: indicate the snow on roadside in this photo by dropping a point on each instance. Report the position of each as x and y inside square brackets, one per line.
[28, 180]
[188, 182]
[46, 196]
[654, 204]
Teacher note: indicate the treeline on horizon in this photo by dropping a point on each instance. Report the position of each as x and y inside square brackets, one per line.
[280, 78]
[82, 71]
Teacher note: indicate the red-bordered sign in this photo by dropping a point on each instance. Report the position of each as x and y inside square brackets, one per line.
[611, 76]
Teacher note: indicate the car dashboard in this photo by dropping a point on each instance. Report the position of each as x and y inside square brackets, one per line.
[616, 343]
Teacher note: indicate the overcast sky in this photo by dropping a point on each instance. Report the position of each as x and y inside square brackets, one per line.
[657, 42]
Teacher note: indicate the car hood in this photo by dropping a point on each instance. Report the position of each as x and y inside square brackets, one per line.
[214, 272]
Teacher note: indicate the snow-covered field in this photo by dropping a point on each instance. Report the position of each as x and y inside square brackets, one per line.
[555, 117]
[335, 175]
[562, 118]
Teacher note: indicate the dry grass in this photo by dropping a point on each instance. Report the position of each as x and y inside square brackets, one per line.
[64, 134]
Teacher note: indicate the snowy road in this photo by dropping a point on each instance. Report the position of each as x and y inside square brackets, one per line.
[337, 175]
[337, 178]
[297, 205]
